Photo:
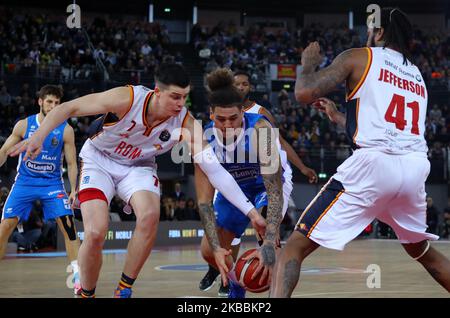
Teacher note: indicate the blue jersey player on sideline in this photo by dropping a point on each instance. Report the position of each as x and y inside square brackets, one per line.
[247, 147]
[41, 178]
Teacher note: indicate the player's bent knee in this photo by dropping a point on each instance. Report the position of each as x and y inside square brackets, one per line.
[96, 238]
[8, 225]
[68, 226]
[149, 219]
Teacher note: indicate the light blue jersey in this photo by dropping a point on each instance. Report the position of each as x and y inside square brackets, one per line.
[240, 160]
[46, 168]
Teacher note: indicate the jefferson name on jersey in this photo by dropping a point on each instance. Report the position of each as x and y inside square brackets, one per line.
[402, 83]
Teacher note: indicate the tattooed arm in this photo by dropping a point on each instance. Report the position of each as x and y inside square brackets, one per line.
[205, 194]
[269, 159]
[348, 66]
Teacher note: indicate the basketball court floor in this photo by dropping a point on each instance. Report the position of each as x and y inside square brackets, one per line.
[176, 272]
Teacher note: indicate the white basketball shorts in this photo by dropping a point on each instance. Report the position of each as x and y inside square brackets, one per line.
[370, 185]
[100, 172]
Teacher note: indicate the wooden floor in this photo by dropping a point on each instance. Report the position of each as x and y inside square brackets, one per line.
[176, 272]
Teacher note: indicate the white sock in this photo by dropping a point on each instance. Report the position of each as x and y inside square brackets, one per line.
[74, 266]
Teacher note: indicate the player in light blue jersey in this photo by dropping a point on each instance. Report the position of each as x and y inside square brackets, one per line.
[41, 178]
[248, 148]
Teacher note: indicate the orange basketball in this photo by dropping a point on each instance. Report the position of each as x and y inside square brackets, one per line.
[244, 271]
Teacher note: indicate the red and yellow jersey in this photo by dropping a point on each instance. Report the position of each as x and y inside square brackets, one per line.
[387, 109]
[131, 140]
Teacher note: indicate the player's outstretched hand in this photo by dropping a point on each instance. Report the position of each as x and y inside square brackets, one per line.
[224, 262]
[266, 256]
[326, 106]
[311, 57]
[32, 147]
[310, 174]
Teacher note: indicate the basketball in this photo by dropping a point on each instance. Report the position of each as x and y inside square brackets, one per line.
[244, 270]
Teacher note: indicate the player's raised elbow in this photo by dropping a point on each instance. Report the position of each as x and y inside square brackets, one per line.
[303, 95]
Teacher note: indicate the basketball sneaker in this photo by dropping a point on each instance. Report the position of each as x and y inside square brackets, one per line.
[223, 290]
[209, 279]
[236, 290]
[123, 293]
[76, 284]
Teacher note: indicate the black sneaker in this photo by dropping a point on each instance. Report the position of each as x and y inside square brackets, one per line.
[224, 291]
[210, 278]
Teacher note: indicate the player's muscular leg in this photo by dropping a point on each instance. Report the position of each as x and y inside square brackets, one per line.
[434, 262]
[146, 207]
[287, 268]
[95, 222]
[225, 238]
[7, 226]
[66, 225]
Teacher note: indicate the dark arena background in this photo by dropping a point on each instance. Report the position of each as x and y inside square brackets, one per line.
[97, 45]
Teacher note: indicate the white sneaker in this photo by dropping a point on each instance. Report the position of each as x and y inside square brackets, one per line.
[76, 284]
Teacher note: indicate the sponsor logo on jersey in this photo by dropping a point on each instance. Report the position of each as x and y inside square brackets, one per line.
[61, 195]
[41, 167]
[55, 142]
[56, 132]
[164, 135]
[47, 157]
[54, 192]
[128, 150]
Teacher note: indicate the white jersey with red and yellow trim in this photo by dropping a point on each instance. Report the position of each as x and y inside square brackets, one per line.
[387, 109]
[253, 109]
[131, 140]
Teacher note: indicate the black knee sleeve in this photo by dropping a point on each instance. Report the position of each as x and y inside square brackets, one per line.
[69, 226]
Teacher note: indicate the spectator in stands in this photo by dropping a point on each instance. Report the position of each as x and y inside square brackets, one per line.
[432, 216]
[4, 192]
[5, 98]
[177, 194]
[446, 221]
[168, 209]
[180, 209]
[191, 210]
[29, 231]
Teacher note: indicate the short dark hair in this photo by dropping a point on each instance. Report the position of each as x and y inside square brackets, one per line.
[398, 31]
[221, 91]
[240, 72]
[50, 90]
[172, 74]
